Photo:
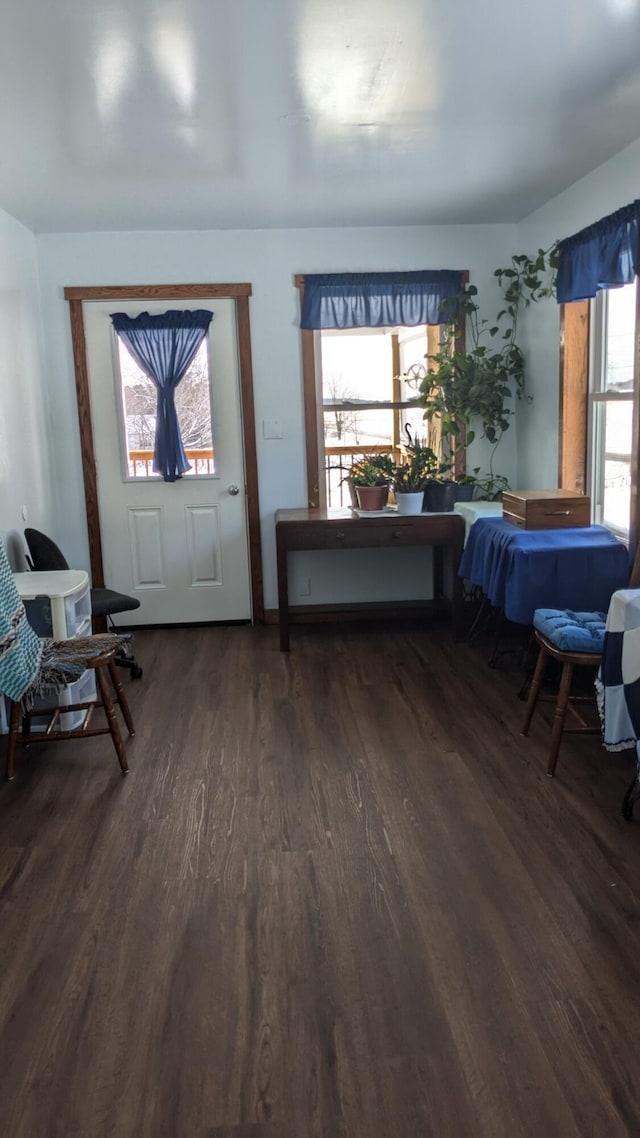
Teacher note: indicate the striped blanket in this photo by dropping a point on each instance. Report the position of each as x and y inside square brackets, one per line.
[20, 648]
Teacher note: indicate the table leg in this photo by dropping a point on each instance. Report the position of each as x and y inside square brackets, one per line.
[283, 592]
[457, 600]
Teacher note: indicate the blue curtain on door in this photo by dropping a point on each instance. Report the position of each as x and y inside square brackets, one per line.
[163, 346]
[604, 255]
[378, 300]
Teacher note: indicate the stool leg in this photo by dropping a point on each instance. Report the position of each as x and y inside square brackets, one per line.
[112, 719]
[14, 730]
[121, 697]
[534, 690]
[558, 717]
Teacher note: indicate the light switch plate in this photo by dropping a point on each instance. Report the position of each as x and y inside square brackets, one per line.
[272, 428]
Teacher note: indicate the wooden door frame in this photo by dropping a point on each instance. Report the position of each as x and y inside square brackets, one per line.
[240, 293]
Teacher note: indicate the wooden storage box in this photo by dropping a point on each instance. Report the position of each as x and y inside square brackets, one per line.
[546, 509]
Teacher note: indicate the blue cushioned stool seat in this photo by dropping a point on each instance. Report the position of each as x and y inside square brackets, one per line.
[572, 631]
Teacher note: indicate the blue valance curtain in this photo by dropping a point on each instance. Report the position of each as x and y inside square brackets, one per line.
[377, 300]
[164, 346]
[604, 255]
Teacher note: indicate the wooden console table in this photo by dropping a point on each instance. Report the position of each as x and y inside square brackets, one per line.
[306, 529]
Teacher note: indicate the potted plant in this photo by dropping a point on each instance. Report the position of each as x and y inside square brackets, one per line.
[411, 478]
[490, 487]
[440, 496]
[371, 478]
[464, 388]
[466, 487]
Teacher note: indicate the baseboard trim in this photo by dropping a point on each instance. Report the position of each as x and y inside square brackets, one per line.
[376, 610]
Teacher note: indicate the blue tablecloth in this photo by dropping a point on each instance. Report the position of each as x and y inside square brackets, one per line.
[522, 570]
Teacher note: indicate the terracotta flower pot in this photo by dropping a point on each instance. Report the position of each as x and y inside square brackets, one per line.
[372, 497]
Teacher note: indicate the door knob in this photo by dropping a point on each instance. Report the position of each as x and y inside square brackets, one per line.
[233, 490]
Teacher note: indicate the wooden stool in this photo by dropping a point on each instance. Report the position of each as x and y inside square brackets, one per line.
[564, 700]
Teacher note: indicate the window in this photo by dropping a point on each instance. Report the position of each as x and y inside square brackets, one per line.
[369, 402]
[361, 375]
[138, 401]
[611, 406]
[599, 375]
[599, 405]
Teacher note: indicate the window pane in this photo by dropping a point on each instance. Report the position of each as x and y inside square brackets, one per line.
[193, 406]
[620, 338]
[616, 467]
[368, 432]
[358, 367]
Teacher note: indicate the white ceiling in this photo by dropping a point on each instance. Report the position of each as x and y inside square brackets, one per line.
[208, 114]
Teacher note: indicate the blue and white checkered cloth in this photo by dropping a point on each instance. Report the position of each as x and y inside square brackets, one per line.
[618, 682]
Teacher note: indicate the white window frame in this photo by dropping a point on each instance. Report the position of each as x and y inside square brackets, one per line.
[598, 398]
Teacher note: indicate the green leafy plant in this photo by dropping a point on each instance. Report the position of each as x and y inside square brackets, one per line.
[490, 487]
[476, 386]
[421, 467]
[372, 470]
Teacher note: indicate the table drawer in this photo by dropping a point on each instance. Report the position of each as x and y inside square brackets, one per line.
[359, 538]
[352, 536]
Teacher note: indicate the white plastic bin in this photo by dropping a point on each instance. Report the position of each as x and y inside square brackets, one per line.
[58, 603]
[81, 690]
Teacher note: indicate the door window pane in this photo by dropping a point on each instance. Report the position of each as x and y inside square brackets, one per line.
[138, 411]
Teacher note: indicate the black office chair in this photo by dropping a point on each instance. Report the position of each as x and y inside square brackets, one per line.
[45, 555]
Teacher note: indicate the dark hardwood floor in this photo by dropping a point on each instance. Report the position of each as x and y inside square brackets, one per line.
[336, 896]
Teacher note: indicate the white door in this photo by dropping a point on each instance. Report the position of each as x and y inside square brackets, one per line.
[181, 548]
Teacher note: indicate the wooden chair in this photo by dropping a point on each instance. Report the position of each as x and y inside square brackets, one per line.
[44, 555]
[575, 640]
[107, 681]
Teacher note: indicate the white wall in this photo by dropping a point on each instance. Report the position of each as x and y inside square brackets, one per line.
[39, 444]
[604, 190]
[27, 471]
[269, 261]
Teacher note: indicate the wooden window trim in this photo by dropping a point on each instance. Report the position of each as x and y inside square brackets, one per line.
[573, 395]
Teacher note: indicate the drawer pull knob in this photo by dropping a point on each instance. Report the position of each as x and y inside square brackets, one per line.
[397, 533]
[340, 535]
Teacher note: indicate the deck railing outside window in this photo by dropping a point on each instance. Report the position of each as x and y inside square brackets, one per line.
[201, 458]
[338, 461]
